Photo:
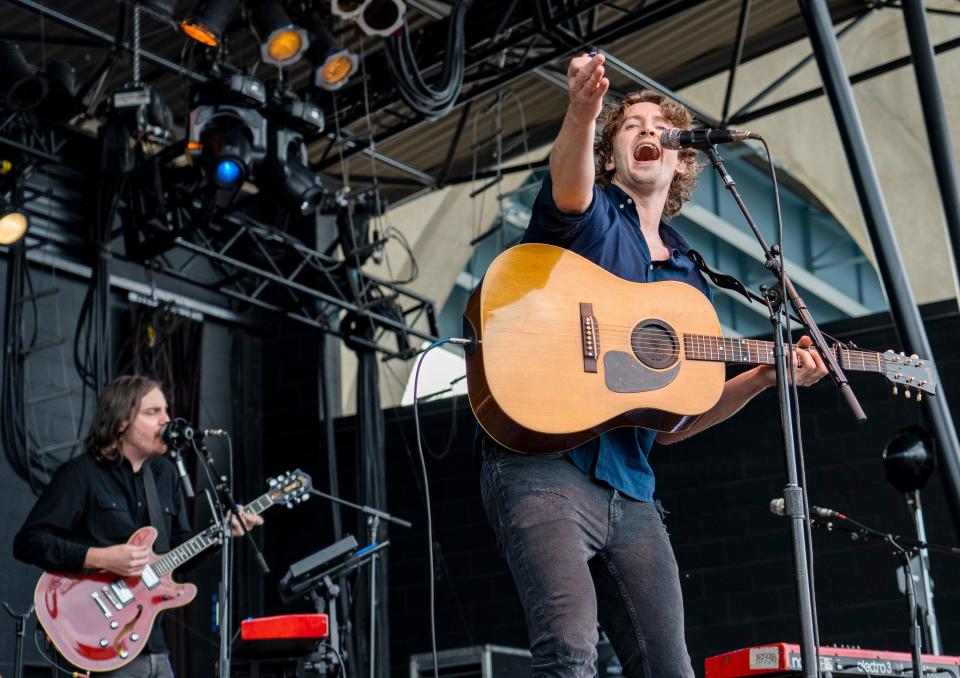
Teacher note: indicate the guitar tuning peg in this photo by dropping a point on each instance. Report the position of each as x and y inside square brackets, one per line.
[272, 482]
[906, 392]
[914, 356]
[894, 389]
[902, 353]
[289, 504]
[919, 396]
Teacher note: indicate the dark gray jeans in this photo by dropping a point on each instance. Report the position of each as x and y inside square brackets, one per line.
[145, 666]
[580, 552]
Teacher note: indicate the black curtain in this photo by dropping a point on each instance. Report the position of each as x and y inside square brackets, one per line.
[167, 347]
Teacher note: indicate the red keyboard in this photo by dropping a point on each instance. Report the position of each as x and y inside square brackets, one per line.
[783, 659]
[285, 626]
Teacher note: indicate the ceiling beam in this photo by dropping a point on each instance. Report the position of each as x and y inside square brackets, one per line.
[106, 38]
[733, 236]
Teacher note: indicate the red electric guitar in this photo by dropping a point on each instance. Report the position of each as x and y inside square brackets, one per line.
[100, 622]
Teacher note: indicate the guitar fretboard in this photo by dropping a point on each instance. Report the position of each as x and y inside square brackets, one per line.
[758, 352]
[203, 540]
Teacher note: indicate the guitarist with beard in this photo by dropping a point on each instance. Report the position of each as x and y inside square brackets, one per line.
[97, 500]
[581, 531]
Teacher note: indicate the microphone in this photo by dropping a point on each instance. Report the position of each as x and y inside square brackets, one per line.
[777, 508]
[177, 433]
[676, 139]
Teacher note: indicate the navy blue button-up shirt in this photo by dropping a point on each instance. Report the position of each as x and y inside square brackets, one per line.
[608, 234]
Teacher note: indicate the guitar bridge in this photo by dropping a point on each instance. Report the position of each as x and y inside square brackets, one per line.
[589, 337]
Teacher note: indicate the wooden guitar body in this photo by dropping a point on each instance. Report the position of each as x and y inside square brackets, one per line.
[568, 351]
[99, 621]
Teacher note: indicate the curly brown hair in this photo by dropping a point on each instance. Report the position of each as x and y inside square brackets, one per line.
[118, 403]
[609, 123]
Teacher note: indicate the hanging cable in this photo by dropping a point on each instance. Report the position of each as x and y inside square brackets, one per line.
[420, 95]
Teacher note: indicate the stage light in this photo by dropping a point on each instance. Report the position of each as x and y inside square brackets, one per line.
[227, 173]
[287, 175]
[381, 17]
[20, 87]
[227, 150]
[346, 9]
[333, 63]
[281, 41]
[60, 103]
[227, 133]
[13, 225]
[208, 19]
[908, 459]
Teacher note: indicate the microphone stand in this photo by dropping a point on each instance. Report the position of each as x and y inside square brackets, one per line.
[861, 531]
[374, 516]
[795, 504]
[225, 506]
[21, 630]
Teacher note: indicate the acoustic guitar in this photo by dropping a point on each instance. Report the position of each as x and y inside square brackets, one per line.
[566, 351]
[99, 621]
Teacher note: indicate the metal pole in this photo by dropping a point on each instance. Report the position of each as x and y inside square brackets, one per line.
[935, 119]
[926, 581]
[903, 305]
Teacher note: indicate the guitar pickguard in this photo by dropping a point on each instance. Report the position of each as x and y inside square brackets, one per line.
[623, 373]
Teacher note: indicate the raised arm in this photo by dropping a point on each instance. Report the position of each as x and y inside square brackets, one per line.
[571, 160]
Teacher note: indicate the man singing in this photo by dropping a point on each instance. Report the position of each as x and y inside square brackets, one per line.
[581, 531]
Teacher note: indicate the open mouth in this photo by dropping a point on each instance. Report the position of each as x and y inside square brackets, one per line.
[646, 151]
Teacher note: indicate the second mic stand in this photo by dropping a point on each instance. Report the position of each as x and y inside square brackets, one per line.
[222, 507]
[795, 508]
[902, 547]
[374, 516]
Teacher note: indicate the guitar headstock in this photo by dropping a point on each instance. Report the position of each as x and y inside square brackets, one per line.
[290, 488]
[910, 372]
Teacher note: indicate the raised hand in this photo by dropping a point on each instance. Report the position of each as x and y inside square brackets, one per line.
[586, 85]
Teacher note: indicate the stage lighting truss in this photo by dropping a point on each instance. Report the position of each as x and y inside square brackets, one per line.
[282, 42]
[269, 269]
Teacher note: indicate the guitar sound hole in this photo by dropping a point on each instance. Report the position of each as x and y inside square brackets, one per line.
[655, 344]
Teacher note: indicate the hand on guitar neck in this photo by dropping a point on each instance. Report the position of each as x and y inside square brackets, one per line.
[250, 521]
[808, 364]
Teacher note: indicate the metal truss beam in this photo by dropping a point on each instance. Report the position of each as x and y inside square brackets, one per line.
[856, 78]
[270, 270]
[106, 38]
[733, 236]
[609, 32]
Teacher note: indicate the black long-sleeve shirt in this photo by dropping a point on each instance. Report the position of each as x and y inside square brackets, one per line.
[90, 503]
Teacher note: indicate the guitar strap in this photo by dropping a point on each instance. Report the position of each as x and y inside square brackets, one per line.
[719, 279]
[162, 545]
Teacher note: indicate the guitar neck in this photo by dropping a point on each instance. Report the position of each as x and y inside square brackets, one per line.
[758, 352]
[203, 540]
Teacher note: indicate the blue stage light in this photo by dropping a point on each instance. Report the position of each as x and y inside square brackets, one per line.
[228, 173]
